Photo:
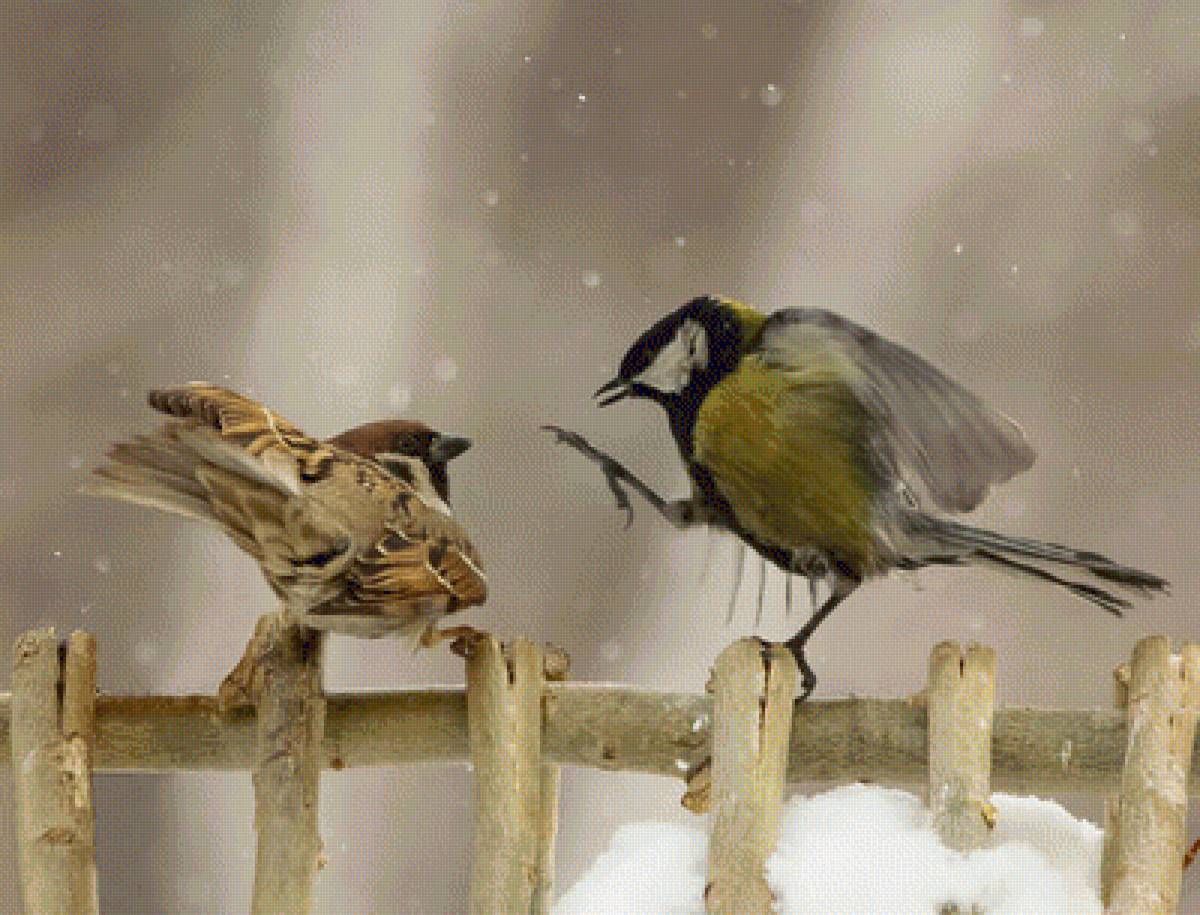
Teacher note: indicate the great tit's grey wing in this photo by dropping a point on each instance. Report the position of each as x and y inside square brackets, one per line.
[945, 443]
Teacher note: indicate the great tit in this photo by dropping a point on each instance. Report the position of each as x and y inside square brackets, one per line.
[353, 534]
[832, 452]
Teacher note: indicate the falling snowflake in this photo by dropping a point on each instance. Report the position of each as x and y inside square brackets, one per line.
[445, 369]
[399, 397]
[591, 279]
[770, 95]
[1032, 27]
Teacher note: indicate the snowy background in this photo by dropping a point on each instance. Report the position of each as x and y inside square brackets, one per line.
[467, 210]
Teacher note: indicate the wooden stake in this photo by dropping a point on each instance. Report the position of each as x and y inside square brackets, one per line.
[1146, 865]
[290, 715]
[752, 719]
[504, 722]
[52, 743]
[555, 665]
[960, 698]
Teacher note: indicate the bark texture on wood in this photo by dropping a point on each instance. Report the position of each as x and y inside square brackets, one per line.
[287, 768]
[543, 891]
[54, 689]
[960, 698]
[504, 721]
[1145, 865]
[752, 719]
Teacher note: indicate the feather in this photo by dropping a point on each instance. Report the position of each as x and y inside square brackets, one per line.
[943, 440]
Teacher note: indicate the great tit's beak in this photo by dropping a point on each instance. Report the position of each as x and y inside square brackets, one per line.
[445, 448]
[615, 389]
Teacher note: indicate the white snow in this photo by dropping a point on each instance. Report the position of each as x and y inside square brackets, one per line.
[862, 850]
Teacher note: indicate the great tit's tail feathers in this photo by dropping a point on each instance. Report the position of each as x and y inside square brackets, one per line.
[1026, 556]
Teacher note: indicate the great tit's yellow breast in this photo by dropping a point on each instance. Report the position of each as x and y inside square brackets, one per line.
[788, 450]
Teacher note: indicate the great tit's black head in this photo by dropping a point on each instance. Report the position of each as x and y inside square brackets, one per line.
[406, 448]
[690, 348]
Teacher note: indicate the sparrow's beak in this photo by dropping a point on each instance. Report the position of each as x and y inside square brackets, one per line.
[615, 389]
[445, 448]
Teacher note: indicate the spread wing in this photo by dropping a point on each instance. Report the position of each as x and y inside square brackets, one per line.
[323, 523]
[946, 444]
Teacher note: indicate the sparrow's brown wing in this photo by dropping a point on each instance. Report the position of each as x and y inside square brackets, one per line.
[422, 568]
[323, 523]
[288, 456]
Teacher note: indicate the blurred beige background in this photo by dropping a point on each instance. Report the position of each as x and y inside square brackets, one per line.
[466, 211]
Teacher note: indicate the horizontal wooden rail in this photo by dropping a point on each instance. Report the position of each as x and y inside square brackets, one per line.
[620, 729]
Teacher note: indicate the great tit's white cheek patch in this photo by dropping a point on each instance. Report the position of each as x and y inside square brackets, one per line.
[673, 365]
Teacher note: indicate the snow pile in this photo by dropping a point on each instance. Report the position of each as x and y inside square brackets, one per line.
[862, 850]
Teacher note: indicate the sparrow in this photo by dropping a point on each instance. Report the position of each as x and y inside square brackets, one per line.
[353, 534]
[834, 453]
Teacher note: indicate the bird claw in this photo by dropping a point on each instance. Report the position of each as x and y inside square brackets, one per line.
[613, 471]
[698, 778]
[461, 638]
[242, 685]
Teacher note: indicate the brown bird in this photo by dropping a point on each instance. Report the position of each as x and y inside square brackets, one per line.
[353, 534]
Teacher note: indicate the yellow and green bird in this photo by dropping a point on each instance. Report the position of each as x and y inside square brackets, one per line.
[833, 452]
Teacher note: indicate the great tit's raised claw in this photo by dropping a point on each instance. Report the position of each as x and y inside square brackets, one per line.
[615, 474]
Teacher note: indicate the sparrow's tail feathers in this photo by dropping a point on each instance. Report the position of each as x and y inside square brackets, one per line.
[1023, 555]
[147, 492]
[156, 472]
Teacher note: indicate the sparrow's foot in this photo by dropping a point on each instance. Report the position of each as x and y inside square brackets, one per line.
[698, 796]
[242, 684]
[461, 638]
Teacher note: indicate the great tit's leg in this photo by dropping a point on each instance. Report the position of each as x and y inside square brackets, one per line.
[737, 582]
[617, 477]
[842, 586]
[762, 590]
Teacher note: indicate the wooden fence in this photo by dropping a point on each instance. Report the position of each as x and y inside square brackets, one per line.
[518, 722]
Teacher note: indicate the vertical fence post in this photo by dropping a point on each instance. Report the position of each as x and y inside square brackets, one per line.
[752, 724]
[554, 669]
[1142, 865]
[504, 725]
[53, 735]
[961, 698]
[287, 764]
